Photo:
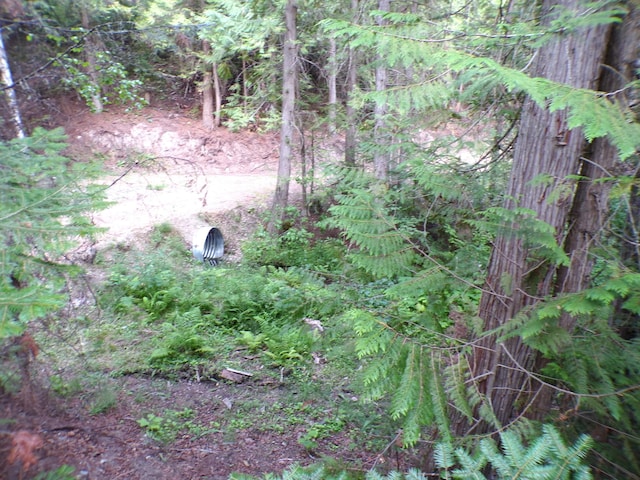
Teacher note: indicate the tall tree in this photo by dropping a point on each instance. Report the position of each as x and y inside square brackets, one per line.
[548, 154]
[332, 85]
[381, 154]
[352, 78]
[6, 82]
[10, 9]
[208, 93]
[289, 88]
[92, 45]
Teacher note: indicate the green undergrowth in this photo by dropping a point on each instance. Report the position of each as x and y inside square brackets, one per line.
[198, 316]
[160, 315]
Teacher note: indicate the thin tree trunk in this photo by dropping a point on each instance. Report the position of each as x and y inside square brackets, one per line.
[92, 71]
[217, 88]
[207, 89]
[332, 84]
[381, 154]
[245, 89]
[303, 168]
[289, 84]
[544, 146]
[352, 77]
[6, 81]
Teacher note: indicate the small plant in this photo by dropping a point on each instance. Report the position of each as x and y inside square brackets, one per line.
[65, 472]
[320, 430]
[289, 346]
[104, 400]
[165, 429]
[253, 342]
[65, 388]
[295, 247]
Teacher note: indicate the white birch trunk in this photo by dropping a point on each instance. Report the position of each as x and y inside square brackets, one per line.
[6, 81]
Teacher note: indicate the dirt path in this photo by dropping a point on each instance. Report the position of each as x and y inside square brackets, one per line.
[165, 168]
[143, 200]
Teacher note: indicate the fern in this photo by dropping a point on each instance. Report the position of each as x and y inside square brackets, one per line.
[546, 457]
[382, 247]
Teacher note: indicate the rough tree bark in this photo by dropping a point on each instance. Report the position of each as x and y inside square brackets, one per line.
[544, 146]
[289, 87]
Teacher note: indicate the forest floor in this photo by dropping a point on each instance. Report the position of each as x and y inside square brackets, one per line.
[164, 168]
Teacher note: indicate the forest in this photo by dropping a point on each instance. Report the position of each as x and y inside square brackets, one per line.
[444, 281]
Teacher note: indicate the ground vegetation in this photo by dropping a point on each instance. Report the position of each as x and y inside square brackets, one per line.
[450, 290]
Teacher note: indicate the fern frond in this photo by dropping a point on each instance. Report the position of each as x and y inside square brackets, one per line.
[383, 249]
[438, 396]
[471, 468]
[444, 457]
[455, 377]
[410, 384]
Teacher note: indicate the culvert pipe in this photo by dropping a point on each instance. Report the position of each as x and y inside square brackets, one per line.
[208, 245]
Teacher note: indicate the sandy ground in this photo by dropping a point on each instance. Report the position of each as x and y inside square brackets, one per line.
[165, 168]
[143, 200]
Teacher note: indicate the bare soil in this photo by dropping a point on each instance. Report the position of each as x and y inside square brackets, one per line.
[166, 168]
[187, 177]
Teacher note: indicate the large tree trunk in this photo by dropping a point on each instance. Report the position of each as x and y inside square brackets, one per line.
[289, 87]
[6, 81]
[516, 279]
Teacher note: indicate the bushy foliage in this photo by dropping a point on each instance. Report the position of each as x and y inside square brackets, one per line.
[424, 254]
[596, 369]
[294, 247]
[264, 308]
[44, 199]
[402, 45]
[113, 85]
[547, 456]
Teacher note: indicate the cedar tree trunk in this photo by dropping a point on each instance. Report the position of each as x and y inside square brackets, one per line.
[517, 278]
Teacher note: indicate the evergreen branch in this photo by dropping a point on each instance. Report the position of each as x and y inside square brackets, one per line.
[532, 376]
[30, 206]
[588, 109]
